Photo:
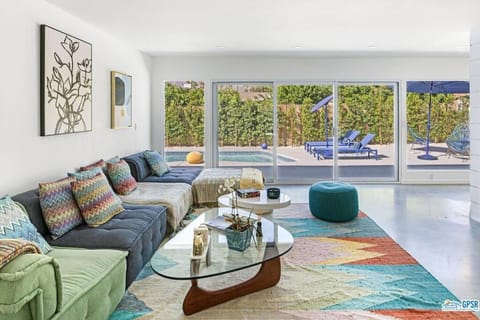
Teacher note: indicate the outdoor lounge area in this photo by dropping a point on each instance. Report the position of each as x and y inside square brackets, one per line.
[291, 160]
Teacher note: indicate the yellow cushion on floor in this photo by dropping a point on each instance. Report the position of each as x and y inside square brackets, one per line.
[251, 178]
[194, 157]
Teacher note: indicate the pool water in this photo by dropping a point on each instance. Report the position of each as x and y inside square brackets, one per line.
[239, 156]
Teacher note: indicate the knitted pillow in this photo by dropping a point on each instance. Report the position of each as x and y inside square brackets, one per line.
[96, 200]
[12, 248]
[59, 209]
[121, 177]
[87, 174]
[100, 163]
[156, 162]
[15, 224]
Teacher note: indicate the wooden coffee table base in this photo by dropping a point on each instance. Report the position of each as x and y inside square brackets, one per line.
[198, 299]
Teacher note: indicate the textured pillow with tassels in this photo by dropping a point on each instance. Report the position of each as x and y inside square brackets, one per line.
[12, 248]
[96, 200]
[59, 209]
[121, 177]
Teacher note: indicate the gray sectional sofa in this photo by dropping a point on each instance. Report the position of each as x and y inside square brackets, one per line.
[138, 230]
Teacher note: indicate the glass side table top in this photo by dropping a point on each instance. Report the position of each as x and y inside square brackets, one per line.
[173, 260]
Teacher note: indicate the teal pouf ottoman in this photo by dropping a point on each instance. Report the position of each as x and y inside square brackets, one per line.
[333, 201]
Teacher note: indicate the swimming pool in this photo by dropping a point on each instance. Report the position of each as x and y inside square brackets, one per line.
[238, 156]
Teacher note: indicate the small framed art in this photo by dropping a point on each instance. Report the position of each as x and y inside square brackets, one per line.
[121, 100]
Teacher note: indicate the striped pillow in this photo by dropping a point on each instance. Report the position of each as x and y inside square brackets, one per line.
[158, 165]
[96, 200]
[86, 174]
[15, 224]
[121, 177]
[59, 209]
[100, 163]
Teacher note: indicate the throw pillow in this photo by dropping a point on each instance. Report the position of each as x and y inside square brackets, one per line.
[121, 177]
[59, 209]
[96, 200]
[87, 174]
[12, 248]
[158, 165]
[15, 224]
[100, 163]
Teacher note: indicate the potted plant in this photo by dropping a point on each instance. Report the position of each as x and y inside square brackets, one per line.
[239, 234]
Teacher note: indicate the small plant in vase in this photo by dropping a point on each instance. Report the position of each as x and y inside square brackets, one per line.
[239, 234]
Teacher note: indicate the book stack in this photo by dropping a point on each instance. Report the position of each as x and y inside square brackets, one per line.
[248, 193]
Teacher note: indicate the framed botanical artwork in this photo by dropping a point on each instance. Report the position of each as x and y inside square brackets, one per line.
[121, 100]
[65, 83]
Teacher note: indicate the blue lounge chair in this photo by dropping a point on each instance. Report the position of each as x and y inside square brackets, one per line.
[344, 140]
[356, 148]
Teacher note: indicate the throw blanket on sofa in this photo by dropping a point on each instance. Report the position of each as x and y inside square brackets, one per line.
[12, 248]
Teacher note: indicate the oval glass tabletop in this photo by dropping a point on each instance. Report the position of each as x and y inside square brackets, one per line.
[173, 260]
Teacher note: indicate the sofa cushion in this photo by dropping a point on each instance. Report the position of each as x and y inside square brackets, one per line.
[121, 178]
[139, 166]
[30, 288]
[31, 202]
[59, 208]
[176, 175]
[15, 224]
[86, 174]
[96, 200]
[138, 230]
[158, 165]
[93, 281]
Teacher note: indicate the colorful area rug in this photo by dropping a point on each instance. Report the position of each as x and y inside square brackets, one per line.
[350, 270]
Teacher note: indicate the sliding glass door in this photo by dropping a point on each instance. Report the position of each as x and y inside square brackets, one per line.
[369, 110]
[244, 118]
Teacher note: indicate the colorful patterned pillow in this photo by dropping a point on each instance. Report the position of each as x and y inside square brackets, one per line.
[121, 177]
[96, 200]
[100, 163]
[87, 174]
[158, 165]
[12, 248]
[15, 224]
[59, 209]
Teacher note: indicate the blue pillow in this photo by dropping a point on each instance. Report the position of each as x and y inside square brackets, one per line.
[15, 224]
[158, 165]
[87, 174]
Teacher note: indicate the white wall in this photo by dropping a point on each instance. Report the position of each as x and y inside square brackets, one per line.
[211, 68]
[475, 124]
[27, 158]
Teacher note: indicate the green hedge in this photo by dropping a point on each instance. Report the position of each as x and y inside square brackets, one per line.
[248, 121]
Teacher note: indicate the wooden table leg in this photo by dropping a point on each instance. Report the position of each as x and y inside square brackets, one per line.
[198, 299]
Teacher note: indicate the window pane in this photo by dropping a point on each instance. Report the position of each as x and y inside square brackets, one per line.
[438, 131]
[184, 121]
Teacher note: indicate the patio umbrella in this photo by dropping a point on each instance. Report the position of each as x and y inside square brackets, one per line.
[435, 87]
[323, 103]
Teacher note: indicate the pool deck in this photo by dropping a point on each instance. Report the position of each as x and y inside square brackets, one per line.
[304, 158]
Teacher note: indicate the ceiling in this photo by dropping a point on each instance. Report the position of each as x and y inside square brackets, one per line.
[316, 27]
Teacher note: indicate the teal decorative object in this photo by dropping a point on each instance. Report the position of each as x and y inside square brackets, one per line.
[239, 240]
[333, 201]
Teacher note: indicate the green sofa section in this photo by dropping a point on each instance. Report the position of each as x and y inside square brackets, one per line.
[68, 283]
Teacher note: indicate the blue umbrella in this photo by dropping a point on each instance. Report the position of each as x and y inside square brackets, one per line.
[317, 106]
[435, 87]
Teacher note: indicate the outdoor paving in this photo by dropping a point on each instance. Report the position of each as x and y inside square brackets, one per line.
[304, 158]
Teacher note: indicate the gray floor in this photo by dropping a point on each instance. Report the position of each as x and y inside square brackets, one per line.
[431, 223]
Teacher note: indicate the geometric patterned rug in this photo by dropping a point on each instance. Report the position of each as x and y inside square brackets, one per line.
[351, 270]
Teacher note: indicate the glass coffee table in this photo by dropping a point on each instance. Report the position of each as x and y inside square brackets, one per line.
[173, 261]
